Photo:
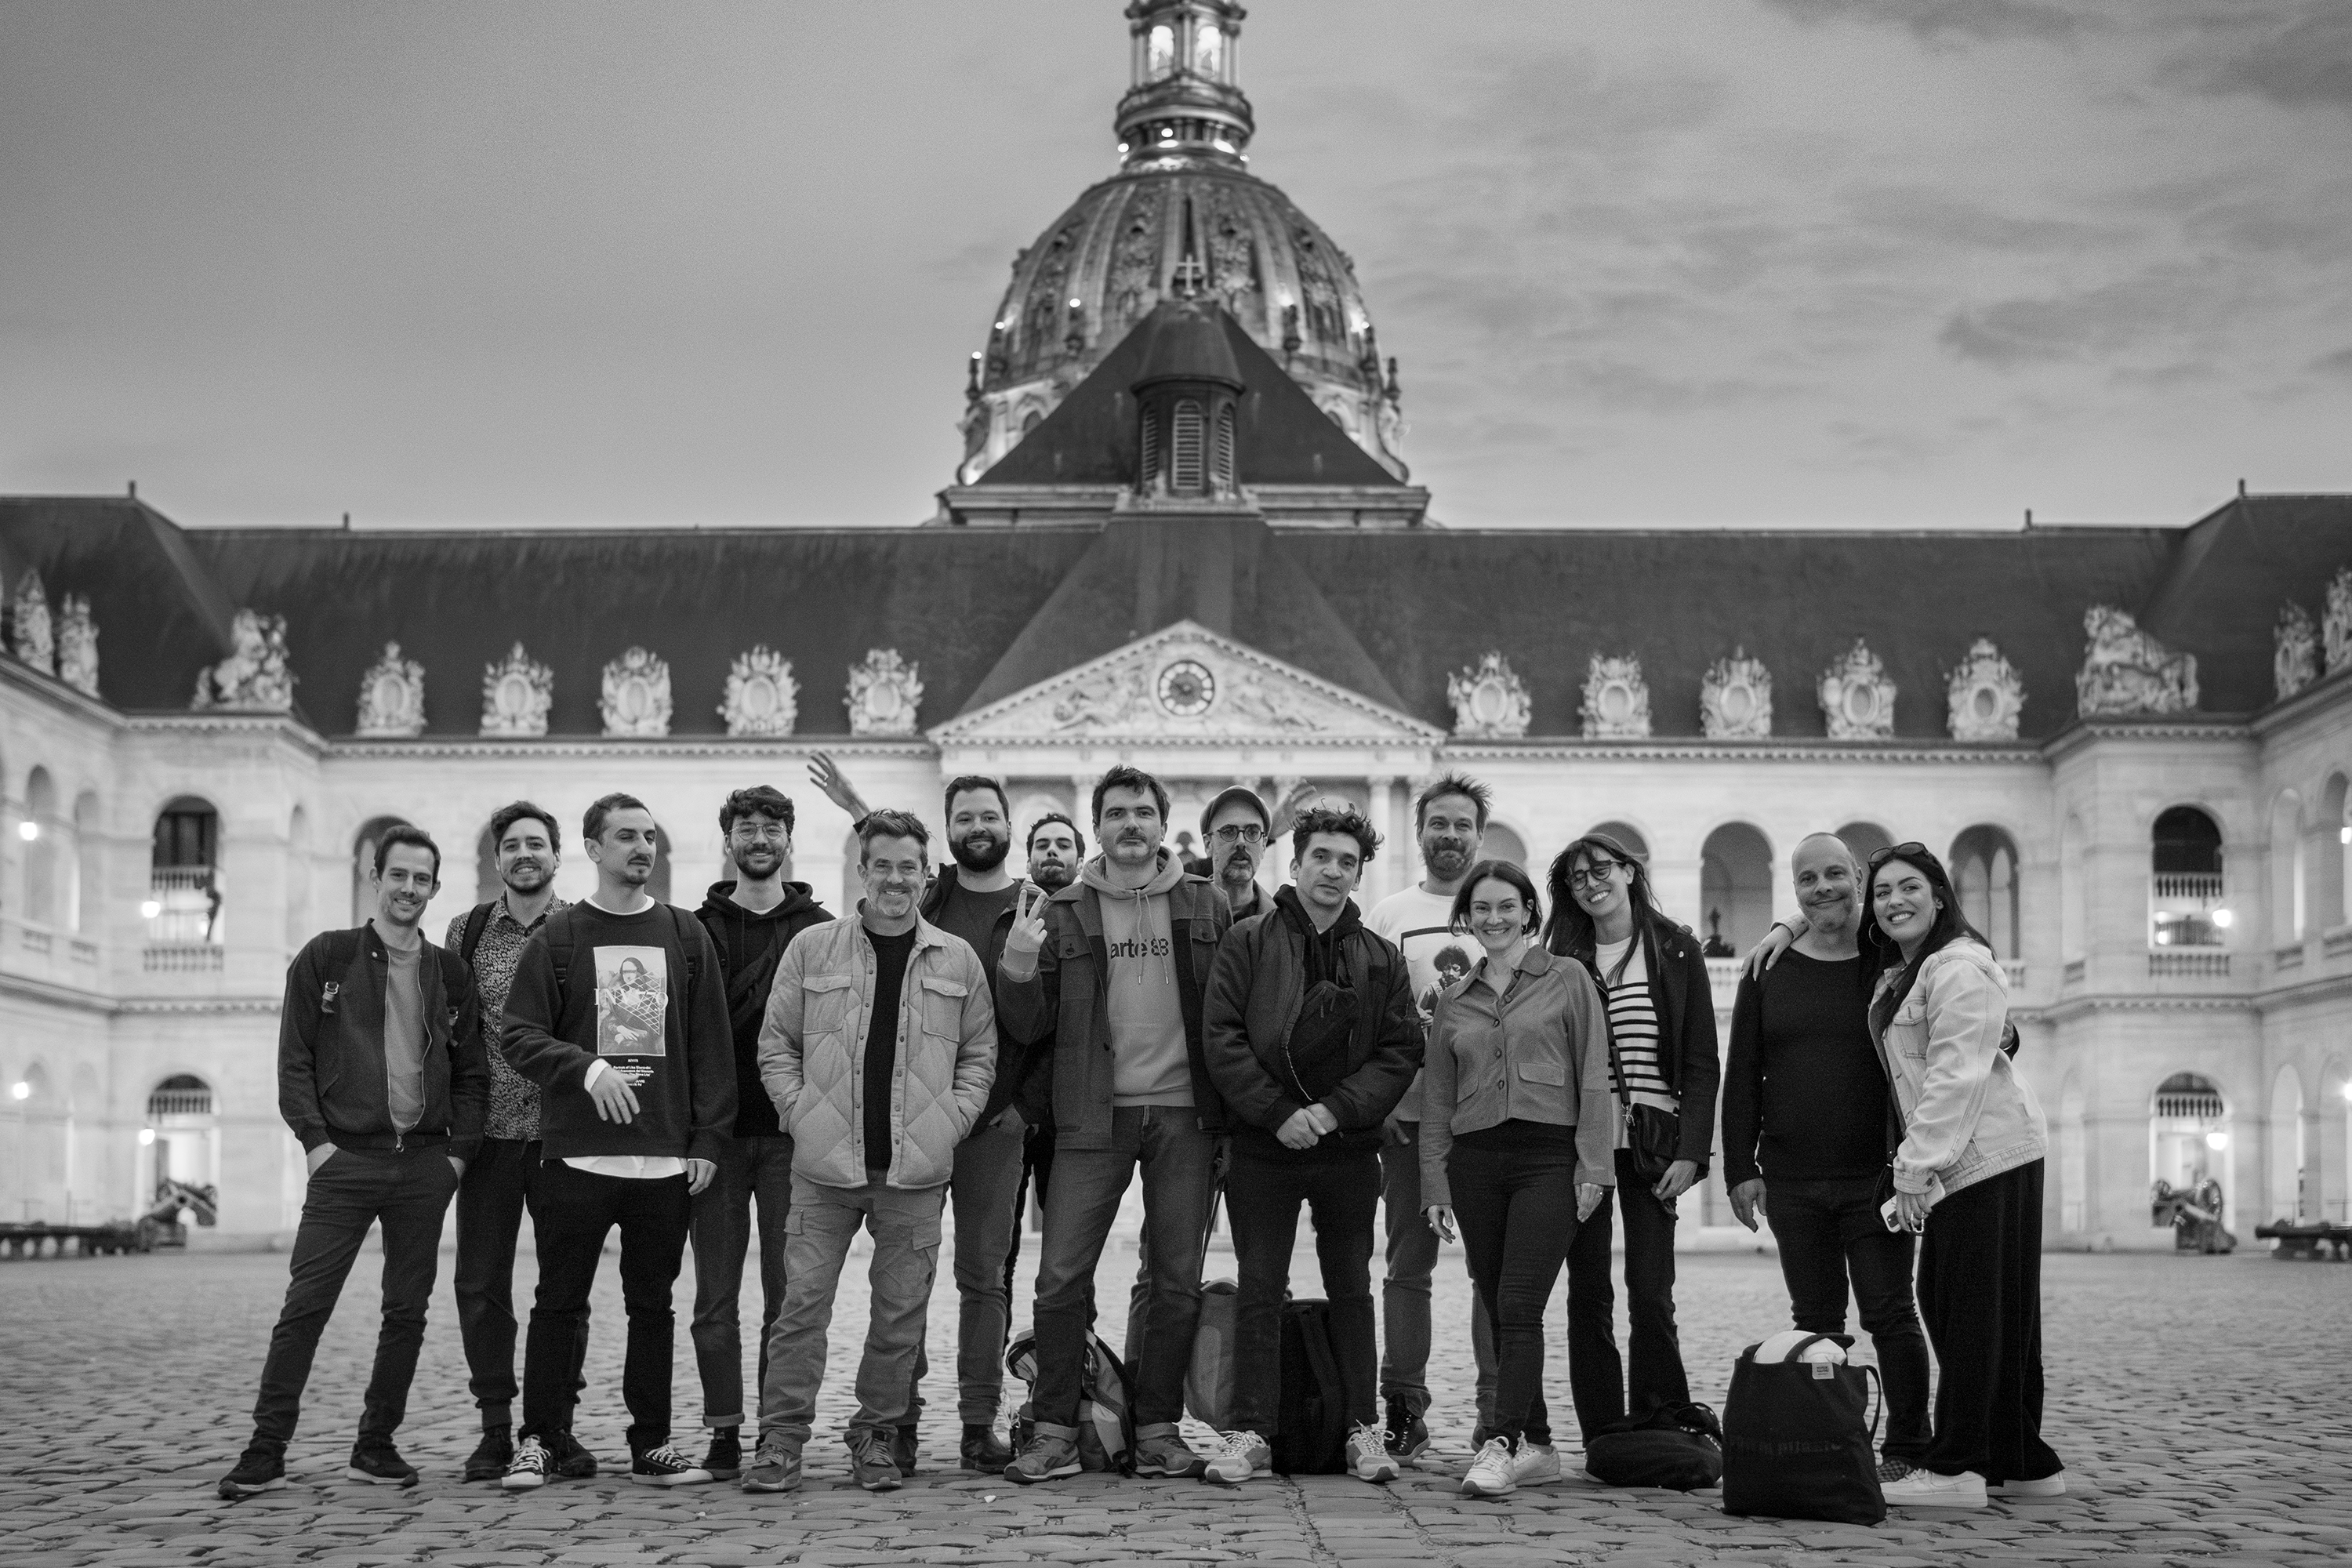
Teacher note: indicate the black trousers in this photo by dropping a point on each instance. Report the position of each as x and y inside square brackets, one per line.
[1261, 1200]
[501, 1184]
[1650, 1376]
[577, 1210]
[1517, 1212]
[1981, 1292]
[1830, 1231]
[407, 1189]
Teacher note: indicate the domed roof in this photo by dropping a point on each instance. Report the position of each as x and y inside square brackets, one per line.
[1182, 216]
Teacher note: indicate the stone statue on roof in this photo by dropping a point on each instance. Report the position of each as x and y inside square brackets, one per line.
[2336, 628]
[78, 646]
[391, 697]
[2294, 651]
[2125, 671]
[28, 627]
[253, 678]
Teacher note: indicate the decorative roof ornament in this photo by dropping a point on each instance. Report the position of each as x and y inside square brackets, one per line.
[2126, 671]
[391, 698]
[2335, 625]
[636, 703]
[885, 694]
[28, 627]
[255, 676]
[2294, 651]
[1985, 696]
[1490, 702]
[762, 697]
[1616, 699]
[1857, 699]
[78, 646]
[516, 694]
[1735, 701]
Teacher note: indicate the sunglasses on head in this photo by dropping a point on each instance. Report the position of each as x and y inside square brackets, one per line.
[1895, 852]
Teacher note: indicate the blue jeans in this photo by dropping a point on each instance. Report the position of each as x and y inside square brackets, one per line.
[1178, 1161]
[822, 1222]
[986, 1180]
[750, 1169]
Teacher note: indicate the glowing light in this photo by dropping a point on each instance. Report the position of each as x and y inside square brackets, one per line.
[2217, 1142]
[2344, 836]
[28, 831]
[146, 1136]
[2224, 919]
[1122, 146]
[149, 909]
[2347, 1093]
[20, 1089]
[1075, 301]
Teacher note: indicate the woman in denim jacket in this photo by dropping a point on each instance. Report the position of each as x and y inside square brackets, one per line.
[1966, 1177]
[1516, 1137]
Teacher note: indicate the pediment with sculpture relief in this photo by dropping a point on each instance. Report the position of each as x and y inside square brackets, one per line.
[1186, 682]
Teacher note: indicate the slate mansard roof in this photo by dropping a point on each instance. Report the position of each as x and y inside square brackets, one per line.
[985, 611]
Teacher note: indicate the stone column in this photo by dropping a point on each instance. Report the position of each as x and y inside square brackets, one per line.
[1383, 877]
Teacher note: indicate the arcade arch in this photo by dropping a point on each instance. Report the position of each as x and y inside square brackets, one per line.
[1735, 881]
[1984, 874]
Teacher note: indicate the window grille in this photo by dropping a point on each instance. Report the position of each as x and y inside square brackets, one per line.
[1186, 476]
[1223, 468]
[1151, 473]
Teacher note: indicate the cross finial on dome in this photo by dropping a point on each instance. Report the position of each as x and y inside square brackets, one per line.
[1189, 278]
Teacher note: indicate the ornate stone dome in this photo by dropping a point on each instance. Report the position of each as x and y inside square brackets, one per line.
[1182, 216]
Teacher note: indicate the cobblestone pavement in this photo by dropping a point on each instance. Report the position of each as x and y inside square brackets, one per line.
[2199, 1403]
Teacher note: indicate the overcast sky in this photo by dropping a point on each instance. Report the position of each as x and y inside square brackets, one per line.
[1729, 262]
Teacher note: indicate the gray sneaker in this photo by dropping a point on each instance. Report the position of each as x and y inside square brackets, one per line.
[1047, 1457]
[776, 1468]
[1164, 1452]
[870, 1463]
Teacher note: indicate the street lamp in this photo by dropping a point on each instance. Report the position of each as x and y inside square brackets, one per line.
[20, 1091]
[2217, 1142]
[28, 831]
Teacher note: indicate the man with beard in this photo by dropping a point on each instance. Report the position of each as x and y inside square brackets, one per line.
[972, 898]
[1449, 818]
[630, 1135]
[1111, 969]
[750, 920]
[1234, 830]
[504, 1180]
[1053, 850]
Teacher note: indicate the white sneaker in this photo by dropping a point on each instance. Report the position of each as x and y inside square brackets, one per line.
[1369, 1455]
[2048, 1486]
[1490, 1472]
[1926, 1489]
[1242, 1455]
[1534, 1464]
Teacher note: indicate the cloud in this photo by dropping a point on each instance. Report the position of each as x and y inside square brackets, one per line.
[1948, 22]
[1928, 214]
[2151, 312]
[2305, 64]
[2337, 363]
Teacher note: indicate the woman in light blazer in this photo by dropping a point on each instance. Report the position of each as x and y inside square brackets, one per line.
[1516, 1146]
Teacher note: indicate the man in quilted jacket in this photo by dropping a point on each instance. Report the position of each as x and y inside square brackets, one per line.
[878, 1049]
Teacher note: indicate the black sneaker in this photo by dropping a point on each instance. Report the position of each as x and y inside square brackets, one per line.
[984, 1451]
[871, 1465]
[1407, 1437]
[904, 1451]
[262, 1469]
[666, 1466]
[527, 1471]
[724, 1459]
[381, 1467]
[571, 1461]
[491, 1455]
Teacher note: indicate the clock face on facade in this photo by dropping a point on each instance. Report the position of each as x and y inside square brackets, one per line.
[1187, 687]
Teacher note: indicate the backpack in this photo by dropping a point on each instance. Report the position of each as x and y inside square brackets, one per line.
[477, 921]
[557, 933]
[1678, 1446]
[1311, 1436]
[1106, 1419]
[1209, 1384]
[1794, 1446]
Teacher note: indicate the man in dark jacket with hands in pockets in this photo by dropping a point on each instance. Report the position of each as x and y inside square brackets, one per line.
[1311, 1034]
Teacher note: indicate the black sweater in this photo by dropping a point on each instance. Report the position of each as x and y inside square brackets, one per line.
[748, 943]
[1804, 1097]
[643, 994]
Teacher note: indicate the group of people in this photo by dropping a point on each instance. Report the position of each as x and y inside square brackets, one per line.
[1455, 1058]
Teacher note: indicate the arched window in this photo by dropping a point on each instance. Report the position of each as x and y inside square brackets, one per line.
[182, 1154]
[1984, 873]
[41, 830]
[1184, 448]
[2286, 869]
[2331, 859]
[2188, 1133]
[1626, 833]
[1735, 881]
[363, 865]
[1224, 466]
[2186, 907]
[1864, 839]
[183, 879]
[90, 872]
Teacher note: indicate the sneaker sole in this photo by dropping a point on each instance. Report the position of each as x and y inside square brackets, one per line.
[1162, 1472]
[1506, 1489]
[753, 1486]
[521, 1483]
[1214, 1478]
[683, 1478]
[887, 1484]
[2048, 1486]
[353, 1473]
[232, 1490]
[1378, 1471]
[1953, 1502]
[1056, 1473]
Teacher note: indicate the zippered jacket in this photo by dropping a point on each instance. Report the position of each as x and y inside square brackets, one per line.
[748, 984]
[1966, 1113]
[1016, 1063]
[332, 1084]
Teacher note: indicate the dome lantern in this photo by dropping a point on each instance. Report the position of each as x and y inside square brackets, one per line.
[1183, 101]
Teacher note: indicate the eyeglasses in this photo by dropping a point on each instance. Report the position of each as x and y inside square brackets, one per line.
[1249, 833]
[1594, 873]
[771, 833]
[1897, 851]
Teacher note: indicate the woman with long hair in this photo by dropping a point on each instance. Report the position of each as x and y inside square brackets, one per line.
[1514, 1144]
[1664, 1072]
[1966, 1178]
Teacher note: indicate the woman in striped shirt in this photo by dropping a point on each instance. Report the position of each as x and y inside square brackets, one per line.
[1662, 1027]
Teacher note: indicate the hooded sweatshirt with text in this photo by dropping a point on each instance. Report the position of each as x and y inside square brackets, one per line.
[1149, 1063]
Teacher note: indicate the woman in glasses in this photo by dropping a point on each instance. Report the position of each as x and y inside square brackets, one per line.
[1966, 1177]
[1663, 1078]
[1515, 1138]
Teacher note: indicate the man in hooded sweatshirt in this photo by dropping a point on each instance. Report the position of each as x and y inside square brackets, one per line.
[1110, 970]
[750, 921]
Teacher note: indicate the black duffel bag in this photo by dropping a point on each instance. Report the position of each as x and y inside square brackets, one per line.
[1678, 1446]
[1794, 1443]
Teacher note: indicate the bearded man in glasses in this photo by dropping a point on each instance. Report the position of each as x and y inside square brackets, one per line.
[1234, 834]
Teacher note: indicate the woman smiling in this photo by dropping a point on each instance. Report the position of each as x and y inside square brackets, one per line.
[1515, 1140]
